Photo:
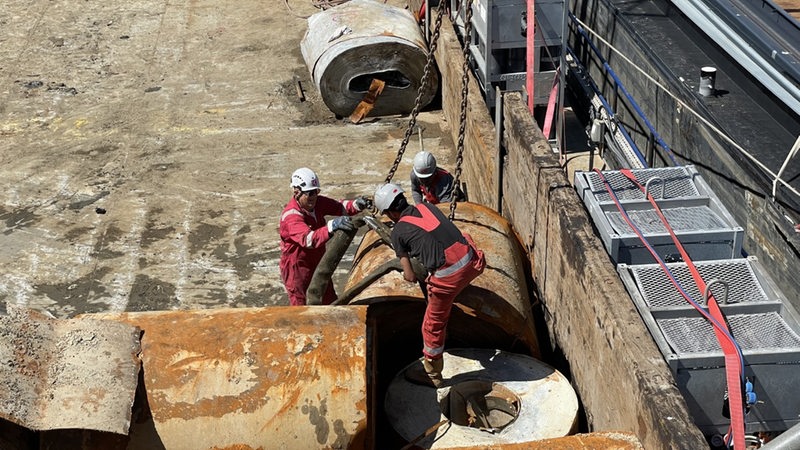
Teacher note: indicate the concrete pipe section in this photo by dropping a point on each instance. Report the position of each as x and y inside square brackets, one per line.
[348, 46]
[490, 397]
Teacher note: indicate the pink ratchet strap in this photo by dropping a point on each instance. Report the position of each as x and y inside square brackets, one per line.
[733, 362]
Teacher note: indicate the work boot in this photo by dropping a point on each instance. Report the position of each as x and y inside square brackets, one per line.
[428, 373]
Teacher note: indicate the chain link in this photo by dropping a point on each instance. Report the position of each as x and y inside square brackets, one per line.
[462, 124]
[422, 84]
[464, 94]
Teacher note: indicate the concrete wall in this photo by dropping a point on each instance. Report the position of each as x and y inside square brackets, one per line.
[619, 373]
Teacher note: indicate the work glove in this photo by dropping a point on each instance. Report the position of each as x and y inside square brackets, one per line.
[361, 203]
[340, 223]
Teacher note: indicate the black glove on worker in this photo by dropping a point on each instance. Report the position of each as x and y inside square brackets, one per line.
[361, 203]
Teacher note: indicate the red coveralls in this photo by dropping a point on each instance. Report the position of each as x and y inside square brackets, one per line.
[303, 238]
[463, 263]
[427, 193]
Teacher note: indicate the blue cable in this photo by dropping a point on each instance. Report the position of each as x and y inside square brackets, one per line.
[625, 91]
[610, 111]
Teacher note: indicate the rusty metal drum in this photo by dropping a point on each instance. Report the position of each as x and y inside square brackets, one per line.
[494, 311]
[251, 378]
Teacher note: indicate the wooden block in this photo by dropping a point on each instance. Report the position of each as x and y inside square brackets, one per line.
[366, 105]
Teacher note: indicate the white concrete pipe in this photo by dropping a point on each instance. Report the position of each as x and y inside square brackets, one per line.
[525, 400]
[348, 46]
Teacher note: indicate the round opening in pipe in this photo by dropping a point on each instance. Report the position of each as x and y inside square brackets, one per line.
[480, 404]
[393, 79]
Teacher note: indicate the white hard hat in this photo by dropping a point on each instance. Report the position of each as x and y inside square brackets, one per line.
[305, 179]
[424, 164]
[385, 195]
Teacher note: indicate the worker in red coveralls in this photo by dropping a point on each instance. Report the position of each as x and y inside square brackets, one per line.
[430, 183]
[304, 232]
[452, 261]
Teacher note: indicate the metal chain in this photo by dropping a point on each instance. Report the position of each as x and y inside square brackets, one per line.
[463, 119]
[417, 103]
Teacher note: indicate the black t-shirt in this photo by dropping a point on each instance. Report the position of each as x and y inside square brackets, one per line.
[427, 247]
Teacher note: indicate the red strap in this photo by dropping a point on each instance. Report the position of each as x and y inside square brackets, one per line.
[732, 366]
[551, 105]
[427, 222]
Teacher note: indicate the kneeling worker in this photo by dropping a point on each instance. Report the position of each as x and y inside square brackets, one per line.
[452, 261]
[430, 183]
[304, 232]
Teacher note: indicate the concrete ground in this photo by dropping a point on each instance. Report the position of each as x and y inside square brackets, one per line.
[146, 149]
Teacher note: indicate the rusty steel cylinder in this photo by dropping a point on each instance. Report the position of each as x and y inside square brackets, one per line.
[498, 297]
[247, 379]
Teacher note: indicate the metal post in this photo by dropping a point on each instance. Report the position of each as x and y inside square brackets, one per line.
[529, 53]
[651, 150]
[498, 126]
[708, 76]
[562, 76]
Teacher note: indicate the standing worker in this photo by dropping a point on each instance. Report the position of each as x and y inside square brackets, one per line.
[452, 261]
[304, 232]
[430, 183]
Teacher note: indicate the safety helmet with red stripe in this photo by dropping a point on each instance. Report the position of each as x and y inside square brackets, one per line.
[385, 196]
[305, 179]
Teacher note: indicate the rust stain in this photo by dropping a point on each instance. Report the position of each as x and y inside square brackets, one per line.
[289, 403]
[498, 296]
[210, 363]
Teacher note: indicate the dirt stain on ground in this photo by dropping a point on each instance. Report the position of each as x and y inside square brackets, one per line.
[76, 233]
[82, 294]
[18, 219]
[98, 150]
[152, 232]
[251, 299]
[306, 98]
[150, 294]
[112, 234]
[242, 261]
[205, 234]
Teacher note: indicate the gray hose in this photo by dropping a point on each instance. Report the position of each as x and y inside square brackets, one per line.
[372, 277]
[336, 248]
